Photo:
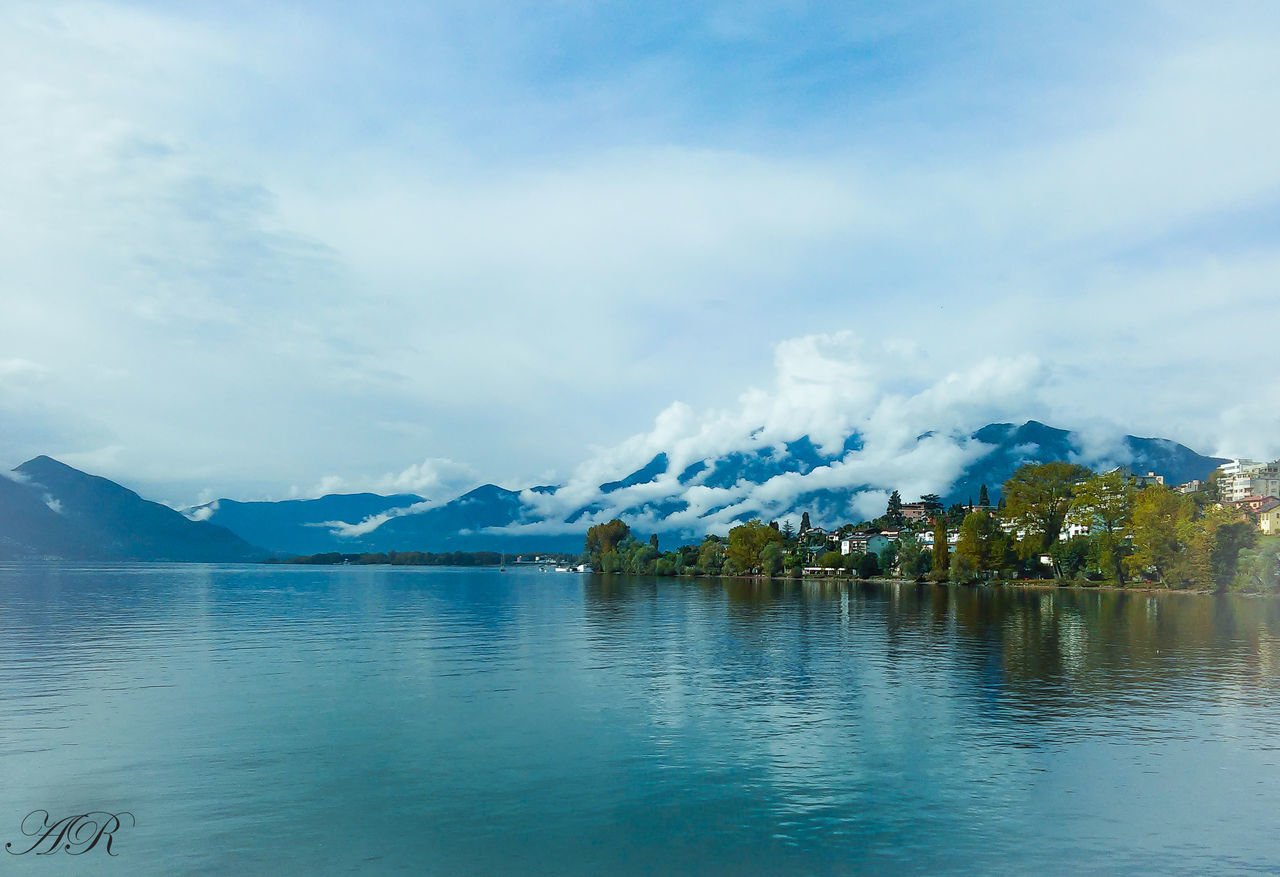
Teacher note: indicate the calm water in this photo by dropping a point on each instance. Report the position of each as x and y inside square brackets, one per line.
[373, 720]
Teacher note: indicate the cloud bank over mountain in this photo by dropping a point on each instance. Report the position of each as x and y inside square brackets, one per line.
[827, 389]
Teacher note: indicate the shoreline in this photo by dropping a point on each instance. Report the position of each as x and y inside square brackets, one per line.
[1023, 584]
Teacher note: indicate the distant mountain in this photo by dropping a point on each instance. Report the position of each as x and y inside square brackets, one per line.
[54, 511]
[463, 525]
[299, 526]
[29, 527]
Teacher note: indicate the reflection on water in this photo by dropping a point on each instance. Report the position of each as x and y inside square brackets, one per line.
[347, 720]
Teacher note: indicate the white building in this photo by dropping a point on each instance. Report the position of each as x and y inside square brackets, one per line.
[866, 542]
[926, 538]
[1240, 479]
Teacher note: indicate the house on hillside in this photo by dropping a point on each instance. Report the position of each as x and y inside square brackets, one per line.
[864, 541]
[916, 511]
[1269, 517]
[1254, 505]
[1139, 481]
[1241, 479]
[926, 539]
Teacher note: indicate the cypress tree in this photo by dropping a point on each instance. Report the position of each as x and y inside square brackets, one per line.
[984, 499]
[804, 523]
[941, 556]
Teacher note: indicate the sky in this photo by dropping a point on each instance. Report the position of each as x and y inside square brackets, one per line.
[265, 250]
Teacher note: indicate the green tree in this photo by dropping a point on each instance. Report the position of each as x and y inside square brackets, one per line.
[746, 542]
[1229, 540]
[804, 523]
[932, 503]
[788, 531]
[1104, 504]
[963, 570]
[1036, 500]
[831, 560]
[913, 561]
[893, 513]
[771, 558]
[888, 558]
[1258, 571]
[1070, 557]
[868, 566]
[711, 556]
[653, 541]
[984, 499]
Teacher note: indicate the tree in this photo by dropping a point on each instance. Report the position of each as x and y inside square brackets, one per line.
[893, 514]
[913, 560]
[653, 541]
[981, 545]
[931, 503]
[1104, 504]
[771, 558]
[868, 566]
[888, 558]
[1163, 526]
[1259, 570]
[1229, 539]
[941, 553]
[603, 539]
[804, 523]
[711, 556]
[1036, 500]
[984, 499]
[788, 531]
[963, 569]
[831, 560]
[746, 544]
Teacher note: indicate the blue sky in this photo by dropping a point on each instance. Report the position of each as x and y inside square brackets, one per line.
[261, 249]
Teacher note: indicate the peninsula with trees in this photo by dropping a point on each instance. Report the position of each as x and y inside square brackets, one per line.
[1055, 522]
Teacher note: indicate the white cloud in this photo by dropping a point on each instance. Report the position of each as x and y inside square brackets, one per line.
[435, 475]
[344, 530]
[203, 512]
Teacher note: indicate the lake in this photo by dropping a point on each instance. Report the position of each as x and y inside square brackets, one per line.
[345, 720]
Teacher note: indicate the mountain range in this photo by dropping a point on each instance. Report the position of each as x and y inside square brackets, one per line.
[48, 509]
